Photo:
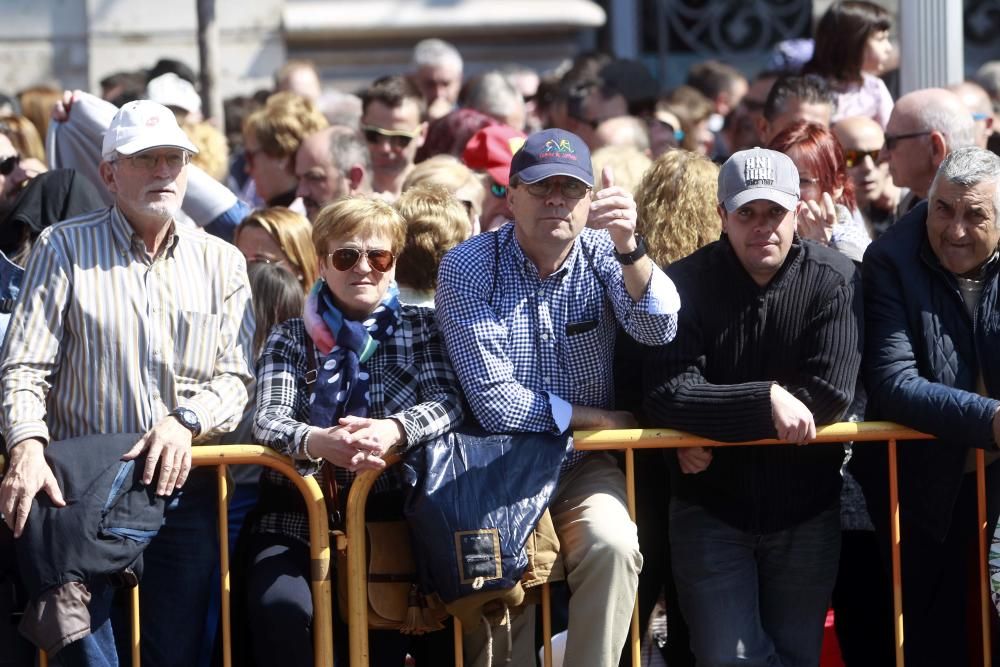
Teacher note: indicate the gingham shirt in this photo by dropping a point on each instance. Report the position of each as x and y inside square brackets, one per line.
[410, 379]
[526, 348]
[105, 339]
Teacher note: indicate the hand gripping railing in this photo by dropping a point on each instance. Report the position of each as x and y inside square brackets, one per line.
[222, 456]
[632, 439]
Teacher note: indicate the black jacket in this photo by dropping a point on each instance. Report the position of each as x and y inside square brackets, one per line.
[109, 518]
[734, 339]
[923, 357]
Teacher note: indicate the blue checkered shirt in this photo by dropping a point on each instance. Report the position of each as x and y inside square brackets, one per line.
[526, 348]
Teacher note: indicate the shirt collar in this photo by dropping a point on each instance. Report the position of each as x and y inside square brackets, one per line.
[128, 240]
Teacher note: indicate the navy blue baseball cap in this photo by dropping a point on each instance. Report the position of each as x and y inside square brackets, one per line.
[552, 152]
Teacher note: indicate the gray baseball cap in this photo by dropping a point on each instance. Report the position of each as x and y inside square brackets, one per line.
[758, 173]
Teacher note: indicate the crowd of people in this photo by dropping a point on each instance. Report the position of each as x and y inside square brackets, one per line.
[344, 277]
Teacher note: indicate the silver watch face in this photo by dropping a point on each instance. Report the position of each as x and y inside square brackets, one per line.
[188, 418]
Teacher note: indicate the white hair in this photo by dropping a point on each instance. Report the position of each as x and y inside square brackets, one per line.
[491, 94]
[436, 53]
[969, 167]
[954, 122]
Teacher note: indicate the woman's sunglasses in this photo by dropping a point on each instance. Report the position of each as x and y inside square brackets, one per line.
[345, 259]
[9, 164]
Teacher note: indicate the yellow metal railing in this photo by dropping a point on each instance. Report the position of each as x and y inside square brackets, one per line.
[222, 456]
[628, 440]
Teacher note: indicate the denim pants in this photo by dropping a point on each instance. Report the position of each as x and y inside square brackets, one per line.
[749, 598]
[174, 590]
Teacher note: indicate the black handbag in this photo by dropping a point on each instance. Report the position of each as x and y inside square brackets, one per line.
[474, 498]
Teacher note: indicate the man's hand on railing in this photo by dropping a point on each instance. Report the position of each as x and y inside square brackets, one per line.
[792, 419]
[694, 459]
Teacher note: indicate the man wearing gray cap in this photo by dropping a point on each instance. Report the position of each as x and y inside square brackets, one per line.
[127, 322]
[768, 346]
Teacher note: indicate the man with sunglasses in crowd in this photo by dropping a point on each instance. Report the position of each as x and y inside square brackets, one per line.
[394, 124]
[925, 126]
[862, 140]
[128, 322]
[529, 315]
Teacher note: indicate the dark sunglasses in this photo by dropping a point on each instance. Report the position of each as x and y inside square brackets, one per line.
[345, 259]
[9, 164]
[892, 139]
[570, 188]
[852, 157]
[398, 139]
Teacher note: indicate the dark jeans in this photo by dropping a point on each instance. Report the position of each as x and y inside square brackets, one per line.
[174, 590]
[940, 579]
[754, 599]
[280, 612]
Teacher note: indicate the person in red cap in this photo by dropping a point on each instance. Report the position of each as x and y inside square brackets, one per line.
[490, 151]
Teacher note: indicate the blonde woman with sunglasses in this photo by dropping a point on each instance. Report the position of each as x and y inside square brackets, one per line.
[357, 376]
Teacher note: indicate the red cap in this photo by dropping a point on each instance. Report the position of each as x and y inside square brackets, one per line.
[491, 150]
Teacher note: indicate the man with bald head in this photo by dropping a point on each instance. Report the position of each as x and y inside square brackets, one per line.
[622, 131]
[330, 164]
[862, 140]
[978, 102]
[925, 126]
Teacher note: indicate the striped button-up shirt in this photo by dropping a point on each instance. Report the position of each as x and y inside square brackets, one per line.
[106, 339]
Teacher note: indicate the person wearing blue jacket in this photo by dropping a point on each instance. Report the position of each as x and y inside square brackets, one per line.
[932, 362]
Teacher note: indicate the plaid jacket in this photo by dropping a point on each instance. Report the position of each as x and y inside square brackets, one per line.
[411, 380]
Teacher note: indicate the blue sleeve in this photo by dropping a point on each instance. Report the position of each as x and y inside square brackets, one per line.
[225, 223]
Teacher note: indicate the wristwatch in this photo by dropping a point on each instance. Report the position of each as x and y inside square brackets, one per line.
[187, 418]
[635, 255]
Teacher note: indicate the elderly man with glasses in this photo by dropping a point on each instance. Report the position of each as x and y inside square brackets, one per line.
[128, 322]
[529, 315]
[925, 126]
[394, 123]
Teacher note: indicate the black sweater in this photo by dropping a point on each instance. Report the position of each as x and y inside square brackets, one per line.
[734, 339]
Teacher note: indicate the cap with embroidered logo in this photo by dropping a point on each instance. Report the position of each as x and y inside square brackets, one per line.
[758, 173]
[141, 125]
[552, 152]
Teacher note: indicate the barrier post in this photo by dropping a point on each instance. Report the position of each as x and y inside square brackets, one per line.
[222, 481]
[630, 498]
[984, 542]
[546, 625]
[894, 544]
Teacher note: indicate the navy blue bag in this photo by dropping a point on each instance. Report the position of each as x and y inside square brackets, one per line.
[474, 498]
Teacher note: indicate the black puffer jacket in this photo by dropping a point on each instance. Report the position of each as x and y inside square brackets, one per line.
[923, 355]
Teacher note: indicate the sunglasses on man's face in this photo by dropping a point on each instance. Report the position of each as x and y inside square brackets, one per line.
[9, 164]
[398, 139]
[853, 158]
[345, 259]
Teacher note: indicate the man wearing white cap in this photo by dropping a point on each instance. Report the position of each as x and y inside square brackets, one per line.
[129, 323]
[768, 346]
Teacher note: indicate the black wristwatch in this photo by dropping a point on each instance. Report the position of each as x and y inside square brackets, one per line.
[635, 255]
[187, 418]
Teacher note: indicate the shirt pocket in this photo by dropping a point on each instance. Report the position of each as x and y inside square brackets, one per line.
[196, 345]
[581, 345]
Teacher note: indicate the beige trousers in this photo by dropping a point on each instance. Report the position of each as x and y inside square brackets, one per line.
[600, 549]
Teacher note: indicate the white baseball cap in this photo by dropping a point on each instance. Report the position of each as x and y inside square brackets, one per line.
[141, 125]
[172, 91]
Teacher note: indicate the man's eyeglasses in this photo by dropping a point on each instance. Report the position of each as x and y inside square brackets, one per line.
[148, 161]
[570, 188]
[853, 158]
[345, 259]
[9, 164]
[398, 139]
[497, 190]
[892, 139]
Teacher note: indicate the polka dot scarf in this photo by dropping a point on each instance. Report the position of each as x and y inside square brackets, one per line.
[341, 386]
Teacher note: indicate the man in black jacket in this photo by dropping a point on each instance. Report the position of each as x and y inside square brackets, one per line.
[768, 346]
[932, 363]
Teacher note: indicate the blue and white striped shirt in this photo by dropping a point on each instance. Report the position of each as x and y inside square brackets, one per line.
[525, 349]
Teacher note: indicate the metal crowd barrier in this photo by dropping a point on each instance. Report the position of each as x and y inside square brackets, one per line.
[630, 440]
[222, 456]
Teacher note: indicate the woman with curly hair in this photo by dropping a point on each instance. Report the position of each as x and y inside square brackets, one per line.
[676, 201]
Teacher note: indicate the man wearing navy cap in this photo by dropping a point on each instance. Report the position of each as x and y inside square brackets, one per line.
[529, 315]
[768, 346]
